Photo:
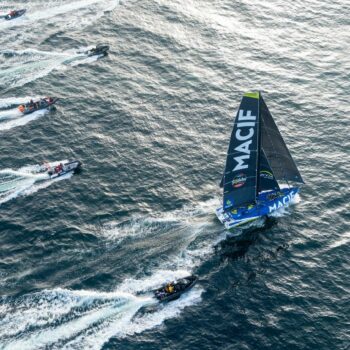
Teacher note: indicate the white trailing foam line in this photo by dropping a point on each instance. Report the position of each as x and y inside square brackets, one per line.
[18, 119]
[30, 180]
[15, 101]
[69, 319]
[29, 65]
[59, 315]
[59, 12]
[84, 319]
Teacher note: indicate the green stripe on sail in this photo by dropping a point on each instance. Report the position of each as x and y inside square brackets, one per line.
[252, 95]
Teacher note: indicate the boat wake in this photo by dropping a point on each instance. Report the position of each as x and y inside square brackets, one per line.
[65, 14]
[24, 66]
[11, 102]
[67, 319]
[10, 117]
[25, 181]
[181, 241]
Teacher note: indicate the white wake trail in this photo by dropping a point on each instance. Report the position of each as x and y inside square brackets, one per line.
[25, 181]
[66, 14]
[15, 101]
[56, 316]
[24, 66]
[12, 119]
[67, 319]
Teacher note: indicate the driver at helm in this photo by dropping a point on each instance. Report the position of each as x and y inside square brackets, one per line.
[169, 288]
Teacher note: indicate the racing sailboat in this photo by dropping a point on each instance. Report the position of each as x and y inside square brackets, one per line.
[257, 159]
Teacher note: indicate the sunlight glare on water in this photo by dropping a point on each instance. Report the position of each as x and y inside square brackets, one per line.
[151, 124]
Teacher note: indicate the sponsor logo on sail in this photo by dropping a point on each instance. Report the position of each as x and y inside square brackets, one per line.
[266, 175]
[239, 180]
[245, 132]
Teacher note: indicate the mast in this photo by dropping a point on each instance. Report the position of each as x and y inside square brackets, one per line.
[259, 151]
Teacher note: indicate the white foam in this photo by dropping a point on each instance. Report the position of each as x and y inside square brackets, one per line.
[84, 60]
[68, 14]
[190, 228]
[22, 73]
[84, 319]
[10, 114]
[141, 226]
[18, 119]
[25, 181]
[15, 101]
[27, 65]
[60, 314]
[129, 325]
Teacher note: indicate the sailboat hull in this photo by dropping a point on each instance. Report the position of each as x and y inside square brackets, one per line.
[267, 203]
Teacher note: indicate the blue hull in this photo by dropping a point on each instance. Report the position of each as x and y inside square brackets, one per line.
[267, 203]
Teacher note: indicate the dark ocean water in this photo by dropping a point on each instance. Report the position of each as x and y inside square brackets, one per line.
[151, 124]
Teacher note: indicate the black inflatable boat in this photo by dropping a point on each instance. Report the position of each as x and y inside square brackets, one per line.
[98, 50]
[174, 290]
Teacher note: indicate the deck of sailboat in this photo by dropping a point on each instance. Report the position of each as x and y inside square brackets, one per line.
[267, 203]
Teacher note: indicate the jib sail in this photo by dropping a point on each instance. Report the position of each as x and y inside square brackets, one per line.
[240, 180]
[276, 151]
[266, 180]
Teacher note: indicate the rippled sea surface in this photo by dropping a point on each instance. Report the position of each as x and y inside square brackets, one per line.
[151, 124]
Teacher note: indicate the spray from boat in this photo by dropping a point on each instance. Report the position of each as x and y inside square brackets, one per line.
[68, 319]
[72, 14]
[11, 116]
[30, 179]
[24, 66]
